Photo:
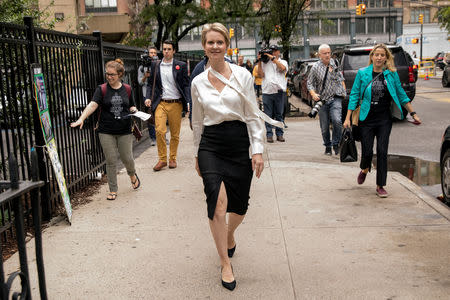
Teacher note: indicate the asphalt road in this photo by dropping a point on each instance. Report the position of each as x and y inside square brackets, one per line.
[432, 103]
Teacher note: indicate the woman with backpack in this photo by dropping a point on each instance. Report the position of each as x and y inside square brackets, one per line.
[115, 101]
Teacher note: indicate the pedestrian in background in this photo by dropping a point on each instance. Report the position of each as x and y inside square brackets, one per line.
[114, 125]
[226, 123]
[383, 98]
[258, 81]
[248, 65]
[168, 98]
[143, 75]
[274, 87]
[326, 83]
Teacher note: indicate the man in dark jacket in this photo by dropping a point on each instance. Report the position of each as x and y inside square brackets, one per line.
[168, 97]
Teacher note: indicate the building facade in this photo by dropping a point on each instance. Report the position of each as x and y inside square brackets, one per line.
[111, 17]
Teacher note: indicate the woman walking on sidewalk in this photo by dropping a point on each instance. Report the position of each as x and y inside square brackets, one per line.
[383, 98]
[116, 101]
[226, 122]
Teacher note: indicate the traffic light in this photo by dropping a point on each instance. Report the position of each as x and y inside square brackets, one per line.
[415, 41]
[229, 52]
[358, 9]
[363, 9]
[277, 28]
[231, 32]
[421, 18]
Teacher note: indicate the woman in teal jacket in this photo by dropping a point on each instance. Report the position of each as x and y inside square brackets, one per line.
[383, 98]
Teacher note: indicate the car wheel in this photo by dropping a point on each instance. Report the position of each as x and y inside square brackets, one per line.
[445, 82]
[445, 176]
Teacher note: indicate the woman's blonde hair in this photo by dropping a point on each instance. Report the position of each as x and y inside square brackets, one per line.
[389, 63]
[116, 64]
[218, 27]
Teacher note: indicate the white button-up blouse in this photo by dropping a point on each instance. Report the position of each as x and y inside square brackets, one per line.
[209, 107]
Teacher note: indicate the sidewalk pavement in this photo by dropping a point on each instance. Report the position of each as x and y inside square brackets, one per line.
[311, 232]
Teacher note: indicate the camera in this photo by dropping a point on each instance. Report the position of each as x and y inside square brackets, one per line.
[316, 108]
[146, 60]
[263, 52]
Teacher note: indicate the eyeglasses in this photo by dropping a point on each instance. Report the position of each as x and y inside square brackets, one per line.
[111, 74]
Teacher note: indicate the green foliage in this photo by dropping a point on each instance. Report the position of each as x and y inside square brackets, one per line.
[173, 19]
[443, 16]
[284, 14]
[13, 11]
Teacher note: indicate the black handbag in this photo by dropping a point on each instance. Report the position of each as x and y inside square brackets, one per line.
[348, 151]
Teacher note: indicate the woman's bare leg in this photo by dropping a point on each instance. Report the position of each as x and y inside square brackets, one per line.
[234, 220]
[219, 232]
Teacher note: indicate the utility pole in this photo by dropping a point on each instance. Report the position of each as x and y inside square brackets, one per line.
[389, 20]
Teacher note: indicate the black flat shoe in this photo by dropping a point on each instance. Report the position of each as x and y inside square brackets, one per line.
[231, 251]
[228, 285]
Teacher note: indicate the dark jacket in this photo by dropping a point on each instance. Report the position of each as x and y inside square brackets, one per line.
[181, 78]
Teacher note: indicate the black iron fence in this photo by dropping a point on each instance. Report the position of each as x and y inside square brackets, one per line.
[73, 66]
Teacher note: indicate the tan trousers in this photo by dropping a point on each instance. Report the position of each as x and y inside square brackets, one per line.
[172, 112]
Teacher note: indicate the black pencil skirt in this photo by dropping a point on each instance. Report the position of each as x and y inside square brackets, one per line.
[223, 156]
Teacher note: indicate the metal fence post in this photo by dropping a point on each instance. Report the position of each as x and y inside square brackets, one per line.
[38, 135]
[100, 73]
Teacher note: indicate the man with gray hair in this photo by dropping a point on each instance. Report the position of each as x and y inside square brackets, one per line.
[326, 83]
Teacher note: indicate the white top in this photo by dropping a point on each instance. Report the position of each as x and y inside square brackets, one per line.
[209, 107]
[170, 90]
[274, 79]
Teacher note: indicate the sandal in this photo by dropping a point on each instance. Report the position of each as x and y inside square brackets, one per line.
[137, 180]
[111, 196]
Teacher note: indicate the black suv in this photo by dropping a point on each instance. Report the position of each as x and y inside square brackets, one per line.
[354, 57]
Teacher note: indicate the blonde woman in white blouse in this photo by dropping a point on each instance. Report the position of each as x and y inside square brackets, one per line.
[226, 124]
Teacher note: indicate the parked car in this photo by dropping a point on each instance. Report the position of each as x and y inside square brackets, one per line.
[299, 81]
[354, 57]
[446, 74]
[439, 60]
[445, 165]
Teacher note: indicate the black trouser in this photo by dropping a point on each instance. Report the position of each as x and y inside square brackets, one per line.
[381, 129]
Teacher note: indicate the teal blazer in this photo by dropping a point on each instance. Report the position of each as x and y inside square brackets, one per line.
[363, 77]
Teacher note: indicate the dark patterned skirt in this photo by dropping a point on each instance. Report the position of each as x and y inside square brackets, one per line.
[223, 156]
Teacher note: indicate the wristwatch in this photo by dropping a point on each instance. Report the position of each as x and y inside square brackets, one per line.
[273, 58]
[412, 113]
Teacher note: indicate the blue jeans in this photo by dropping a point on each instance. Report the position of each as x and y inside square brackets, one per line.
[332, 109]
[151, 131]
[274, 107]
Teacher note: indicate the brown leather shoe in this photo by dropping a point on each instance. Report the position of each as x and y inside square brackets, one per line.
[172, 164]
[159, 166]
[280, 138]
[270, 139]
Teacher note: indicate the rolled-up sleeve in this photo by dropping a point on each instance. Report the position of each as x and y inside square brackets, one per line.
[255, 125]
[197, 117]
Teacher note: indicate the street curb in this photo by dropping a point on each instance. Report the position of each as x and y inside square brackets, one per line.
[435, 204]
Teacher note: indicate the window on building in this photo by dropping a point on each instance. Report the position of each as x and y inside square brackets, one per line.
[417, 11]
[328, 4]
[375, 25]
[392, 24]
[313, 27]
[344, 26]
[329, 27]
[377, 3]
[101, 5]
[360, 25]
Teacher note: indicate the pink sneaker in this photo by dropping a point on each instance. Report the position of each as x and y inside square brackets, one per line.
[381, 192]
[361, 177]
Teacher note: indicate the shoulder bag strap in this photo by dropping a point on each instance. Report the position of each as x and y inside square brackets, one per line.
[253, 106]
[324, 80]
[364, 91]
[103, 88]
